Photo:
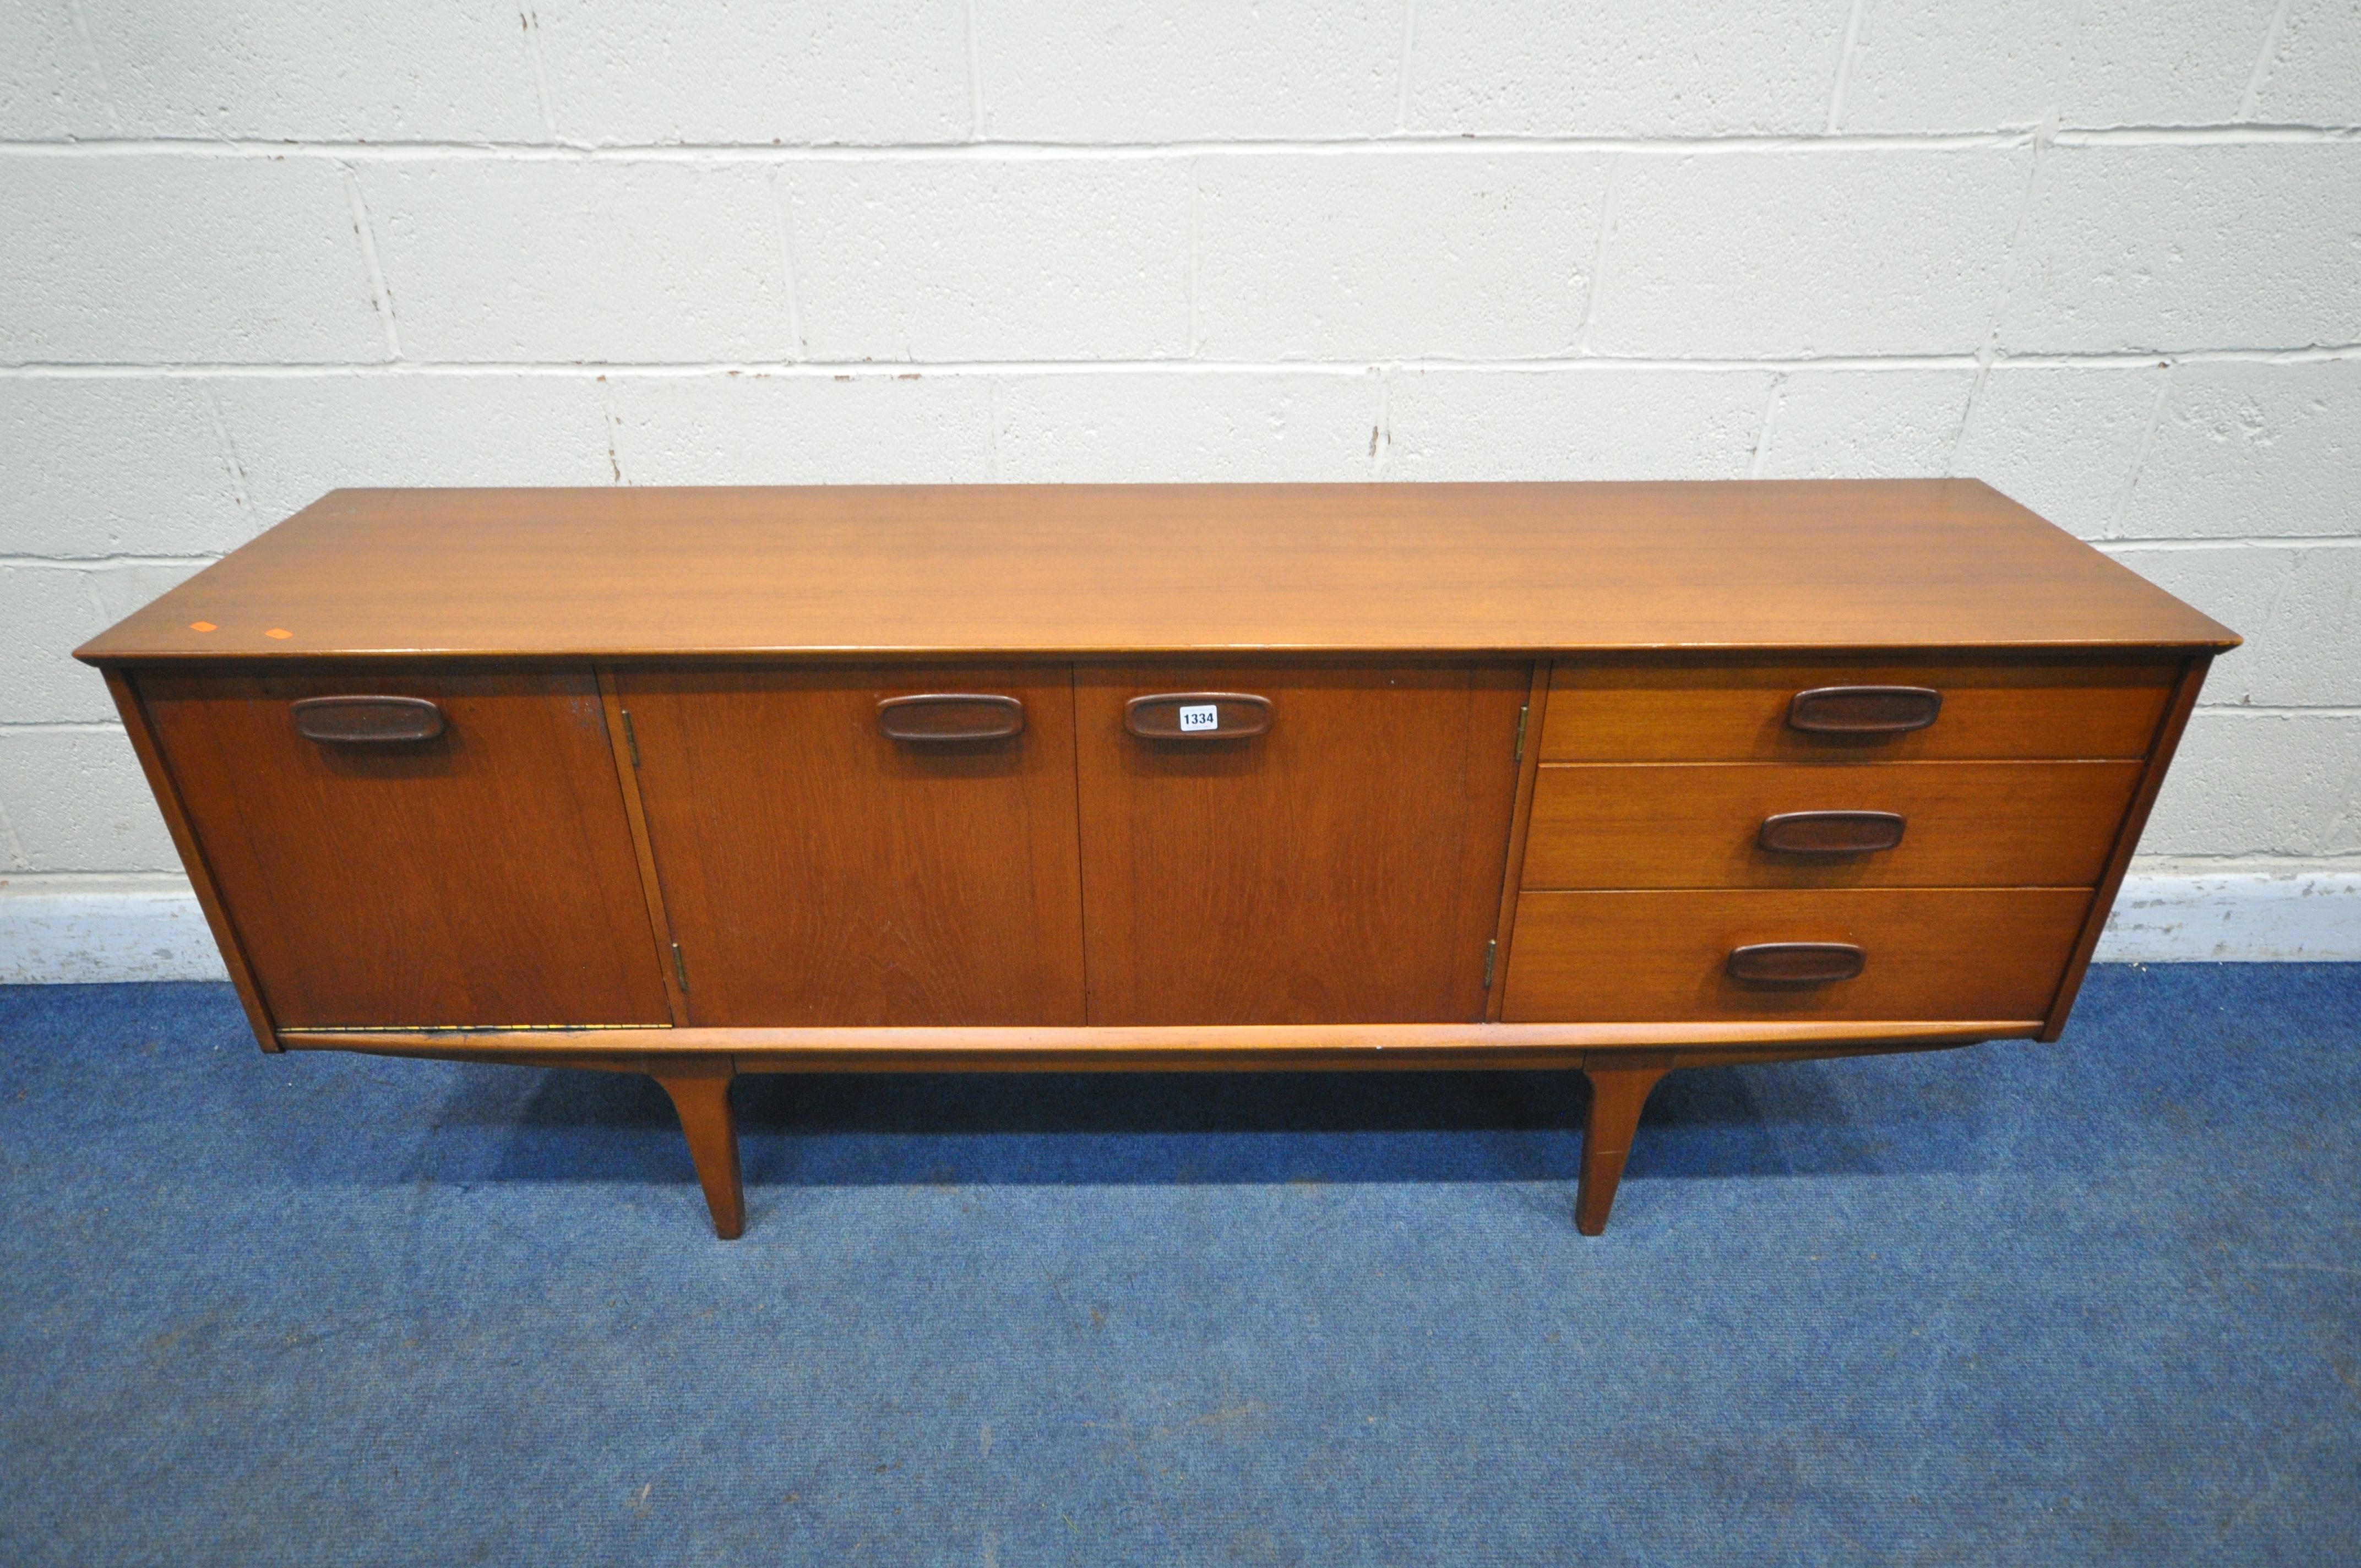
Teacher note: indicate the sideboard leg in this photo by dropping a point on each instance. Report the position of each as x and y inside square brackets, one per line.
[1616, 1095]
[701, 1094]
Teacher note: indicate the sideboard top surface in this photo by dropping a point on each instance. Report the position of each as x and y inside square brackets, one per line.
[1078, 569]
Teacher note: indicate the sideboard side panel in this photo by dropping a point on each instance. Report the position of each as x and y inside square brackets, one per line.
[192, 856]
[2160, 759]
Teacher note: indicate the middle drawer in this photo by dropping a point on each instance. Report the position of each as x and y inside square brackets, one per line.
[1608, 825]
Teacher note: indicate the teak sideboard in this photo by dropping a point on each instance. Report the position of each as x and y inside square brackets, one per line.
[1610, 777]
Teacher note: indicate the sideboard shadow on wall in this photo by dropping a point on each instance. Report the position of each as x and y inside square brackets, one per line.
[1615, 778]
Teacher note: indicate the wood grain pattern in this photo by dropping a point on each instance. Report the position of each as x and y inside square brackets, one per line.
[1696, 824]
[1119, 569]
[1698, 709]
[142, 735]
[1950, 953]
[1617, 1096]
[1529, 761]
[699, 1089]
[483, 877]
[2168, 740]
[818, 872]
[626, 751]
[1345, 867]
[1177, 1048]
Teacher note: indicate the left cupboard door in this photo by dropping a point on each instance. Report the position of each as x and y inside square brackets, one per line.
[415, 848]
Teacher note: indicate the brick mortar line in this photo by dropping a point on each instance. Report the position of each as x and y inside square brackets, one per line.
[2228, 541]
[2128, 358]
[2010, 137]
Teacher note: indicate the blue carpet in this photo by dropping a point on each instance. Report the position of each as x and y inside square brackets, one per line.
[2094, 1303]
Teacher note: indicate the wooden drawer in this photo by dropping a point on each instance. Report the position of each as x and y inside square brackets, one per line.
[1701, 825]
[1980, 954]
[1705, 710]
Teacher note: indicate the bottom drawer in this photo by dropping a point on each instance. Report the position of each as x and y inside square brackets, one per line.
[1982, 954]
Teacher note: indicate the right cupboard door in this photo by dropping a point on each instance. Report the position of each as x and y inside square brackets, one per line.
[1300, 843]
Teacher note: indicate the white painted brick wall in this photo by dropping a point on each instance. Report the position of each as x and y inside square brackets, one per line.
[157, 257]
[1788, 255]
[1149, 71]
[1395, 254]
[1541, 68]
[2106, 255]
[999, 260]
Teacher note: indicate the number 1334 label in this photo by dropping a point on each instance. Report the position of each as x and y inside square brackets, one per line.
[1196, 716]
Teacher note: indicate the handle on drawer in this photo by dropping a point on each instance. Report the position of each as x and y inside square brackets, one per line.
[1864, 710]
[1796, 963]
[950, 716]
[1197, 716]
[367, 720]
[1830, 832]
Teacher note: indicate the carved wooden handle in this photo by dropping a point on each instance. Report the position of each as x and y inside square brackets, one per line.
[1864, 710]
[1796, 963]
[367, 720]
[1830, 832]
[950, 716]
[1197, 716]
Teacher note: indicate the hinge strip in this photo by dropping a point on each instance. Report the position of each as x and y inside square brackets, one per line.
[632, 736]
[679, 967]
[1521, 729]
[1491, 952]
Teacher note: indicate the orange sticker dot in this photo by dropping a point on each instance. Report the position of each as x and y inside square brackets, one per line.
[202, 626]
[280, 632]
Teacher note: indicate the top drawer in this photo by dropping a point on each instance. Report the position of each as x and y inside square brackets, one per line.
[1690, 708]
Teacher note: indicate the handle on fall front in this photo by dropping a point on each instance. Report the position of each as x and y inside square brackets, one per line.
[1197, 716]
[367, 720]
[933, 717]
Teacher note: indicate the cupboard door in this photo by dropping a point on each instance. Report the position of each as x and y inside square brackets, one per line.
[832, 853]
[1300, 843]
[415, 847]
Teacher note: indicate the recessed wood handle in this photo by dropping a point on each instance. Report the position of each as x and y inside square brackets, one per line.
[1864, 710]
[367, 720]
[1830, 832]
[1796, 963]
[1197, 716]
[950, 716]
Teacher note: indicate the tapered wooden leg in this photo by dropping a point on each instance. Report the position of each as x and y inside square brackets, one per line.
[1616, 1095]
[700, 1092]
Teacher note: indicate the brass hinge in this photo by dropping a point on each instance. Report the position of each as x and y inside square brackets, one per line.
[1521, 729]
[679, 967]
[1491, 952]
[632, 736]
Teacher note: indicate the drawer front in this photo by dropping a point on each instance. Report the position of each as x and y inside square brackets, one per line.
[402, 848]
[1703, 826]
[1723, 710]
[1980, 954]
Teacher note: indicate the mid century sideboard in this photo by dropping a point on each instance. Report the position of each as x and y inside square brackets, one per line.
[1610, 777]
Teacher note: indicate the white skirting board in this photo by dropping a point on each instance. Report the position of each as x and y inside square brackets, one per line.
[63, 931]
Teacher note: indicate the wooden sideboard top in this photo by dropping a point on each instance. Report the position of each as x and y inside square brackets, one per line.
[1044, 569]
